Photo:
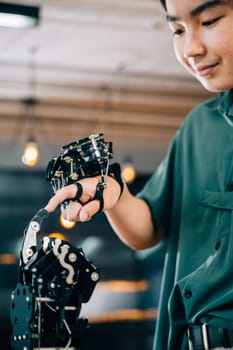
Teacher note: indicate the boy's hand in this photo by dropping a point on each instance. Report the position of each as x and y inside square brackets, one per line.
[87, 205]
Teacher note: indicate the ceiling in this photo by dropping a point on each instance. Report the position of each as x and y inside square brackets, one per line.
[93, 66]
[90, 37]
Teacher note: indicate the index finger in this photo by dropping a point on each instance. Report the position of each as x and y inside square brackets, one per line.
[67, 192]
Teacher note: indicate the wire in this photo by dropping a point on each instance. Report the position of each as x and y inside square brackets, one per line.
[70, 333]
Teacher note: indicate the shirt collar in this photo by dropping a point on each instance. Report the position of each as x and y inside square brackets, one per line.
[226, 104]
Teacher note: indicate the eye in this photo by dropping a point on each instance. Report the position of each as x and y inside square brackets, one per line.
[178, 32]
[210, 22]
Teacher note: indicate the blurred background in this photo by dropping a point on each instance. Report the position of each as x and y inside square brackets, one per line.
[77, 68]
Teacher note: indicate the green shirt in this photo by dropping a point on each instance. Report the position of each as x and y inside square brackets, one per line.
[191, 195]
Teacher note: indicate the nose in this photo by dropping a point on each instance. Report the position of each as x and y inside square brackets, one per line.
[193, 45]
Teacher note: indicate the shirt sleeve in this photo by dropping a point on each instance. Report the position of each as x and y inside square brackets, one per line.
[158, 191]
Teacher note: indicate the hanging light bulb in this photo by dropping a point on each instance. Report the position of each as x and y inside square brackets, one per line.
[30, 154]
[128, 172]
[66, 223]
[57, 235]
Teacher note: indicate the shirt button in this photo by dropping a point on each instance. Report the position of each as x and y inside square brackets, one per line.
[187, 293]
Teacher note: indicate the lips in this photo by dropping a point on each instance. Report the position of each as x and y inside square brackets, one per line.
[205, 70]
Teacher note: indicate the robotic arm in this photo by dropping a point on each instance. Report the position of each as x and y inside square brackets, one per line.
[55, 278]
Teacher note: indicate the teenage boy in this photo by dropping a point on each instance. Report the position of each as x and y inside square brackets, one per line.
[188, 201]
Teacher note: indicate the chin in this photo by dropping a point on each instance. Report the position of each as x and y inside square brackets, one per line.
[215, 87]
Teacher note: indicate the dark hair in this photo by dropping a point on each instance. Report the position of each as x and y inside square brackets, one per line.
[163, 2]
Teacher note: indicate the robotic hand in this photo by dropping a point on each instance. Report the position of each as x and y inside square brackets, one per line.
[55, 278]
[54, 281]
[85, 158]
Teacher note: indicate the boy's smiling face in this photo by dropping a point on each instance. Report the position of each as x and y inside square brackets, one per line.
[203, 39]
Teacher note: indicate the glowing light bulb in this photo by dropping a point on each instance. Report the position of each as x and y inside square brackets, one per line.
[66, 223]
[128, 172]
[57, 235]
[30, 154]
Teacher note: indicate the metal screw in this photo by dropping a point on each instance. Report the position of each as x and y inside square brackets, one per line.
[35, 226]
[94, 276]
[29, 252]
[72, 257]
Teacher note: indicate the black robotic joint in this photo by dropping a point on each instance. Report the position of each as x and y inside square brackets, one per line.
[54, 281]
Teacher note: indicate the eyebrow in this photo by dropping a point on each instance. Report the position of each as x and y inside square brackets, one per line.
[198, 10]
